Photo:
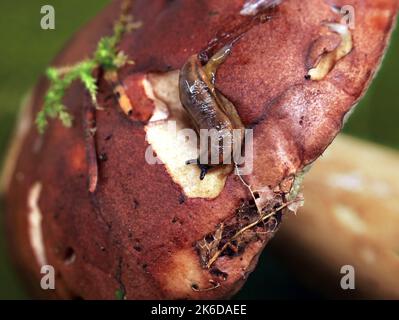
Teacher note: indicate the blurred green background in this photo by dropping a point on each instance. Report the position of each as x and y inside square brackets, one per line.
[26, 50]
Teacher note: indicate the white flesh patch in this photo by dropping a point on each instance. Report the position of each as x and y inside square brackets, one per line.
[163, 89]
[35, 224]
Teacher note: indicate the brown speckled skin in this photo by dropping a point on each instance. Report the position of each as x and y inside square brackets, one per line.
[123, 235]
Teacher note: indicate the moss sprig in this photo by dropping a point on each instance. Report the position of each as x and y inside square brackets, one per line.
[106, 56]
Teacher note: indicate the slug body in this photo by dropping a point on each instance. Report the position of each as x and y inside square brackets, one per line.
[209, 110]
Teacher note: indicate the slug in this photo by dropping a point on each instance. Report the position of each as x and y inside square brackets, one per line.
[208, 109]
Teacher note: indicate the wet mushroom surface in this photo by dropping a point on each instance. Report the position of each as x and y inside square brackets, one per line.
[87, 201]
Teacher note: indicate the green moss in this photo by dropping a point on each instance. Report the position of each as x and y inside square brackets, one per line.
[119, 294]
[106, 56]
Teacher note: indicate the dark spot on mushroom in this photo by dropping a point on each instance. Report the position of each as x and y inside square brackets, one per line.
[278, 216]
[69, 255]
[218, 273]
[195, 287]
[209, 238]
[108, 97]
[117, 95]
[137, 247]
[307, 77]
[182, 198]
[135, 204]
[232, 250]
[108, 137]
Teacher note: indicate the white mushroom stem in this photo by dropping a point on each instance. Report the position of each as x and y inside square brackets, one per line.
[35, 224]
[350, 217]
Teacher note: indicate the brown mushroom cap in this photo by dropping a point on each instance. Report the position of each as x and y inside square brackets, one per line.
[138, 232]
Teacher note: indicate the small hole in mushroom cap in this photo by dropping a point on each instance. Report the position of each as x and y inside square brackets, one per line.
[69, 255]
[195, 287]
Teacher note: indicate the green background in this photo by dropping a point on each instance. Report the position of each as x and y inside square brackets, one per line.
[26, 50]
